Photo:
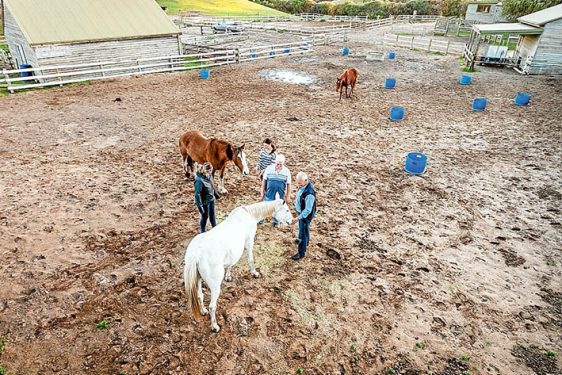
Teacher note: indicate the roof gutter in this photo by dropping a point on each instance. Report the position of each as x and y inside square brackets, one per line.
[38, 44]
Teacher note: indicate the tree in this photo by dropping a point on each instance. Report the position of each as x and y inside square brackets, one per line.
[513, 9]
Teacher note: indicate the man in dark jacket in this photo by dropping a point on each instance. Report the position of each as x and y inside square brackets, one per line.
[305, 205]
[205, 195]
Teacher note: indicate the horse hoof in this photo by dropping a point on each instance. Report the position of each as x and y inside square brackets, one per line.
[204, 312]
[228, 279]
[215, 329]
[256, 274]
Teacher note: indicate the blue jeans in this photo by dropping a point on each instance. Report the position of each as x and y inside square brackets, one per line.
[304, 235]
[208, 212]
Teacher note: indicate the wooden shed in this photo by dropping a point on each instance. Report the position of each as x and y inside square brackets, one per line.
[484, 11]
[539, 47]
[66, 32]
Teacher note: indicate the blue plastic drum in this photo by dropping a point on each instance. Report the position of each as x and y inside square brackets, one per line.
[204, 74]
[397, 113]
[391, 55]
[287, 50]
[522, 99]
[345, 51]
[479, 104]
[390, 83]
[416, 163]
[465, 80]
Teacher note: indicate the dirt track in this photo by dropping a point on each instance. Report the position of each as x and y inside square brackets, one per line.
[405, 274]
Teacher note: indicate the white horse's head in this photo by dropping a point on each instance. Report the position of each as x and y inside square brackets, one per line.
[282, 214]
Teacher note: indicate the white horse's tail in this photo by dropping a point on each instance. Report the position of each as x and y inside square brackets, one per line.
[191, 278]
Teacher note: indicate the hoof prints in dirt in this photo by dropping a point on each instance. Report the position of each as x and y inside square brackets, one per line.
[537, 359]
[511, 258]
[554, 299]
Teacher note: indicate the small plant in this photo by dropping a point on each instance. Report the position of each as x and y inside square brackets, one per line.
[123, 372]
[391, 371]
[468, 69]
[465, 358]
[488, 344]
[466, 372]
[102, 325]
[353, 347]
[420, 345]
[2, 371]
[550, 353]
[300, 370]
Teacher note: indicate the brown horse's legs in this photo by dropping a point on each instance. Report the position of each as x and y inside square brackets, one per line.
[341, 90]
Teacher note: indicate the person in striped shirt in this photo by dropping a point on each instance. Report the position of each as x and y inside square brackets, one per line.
[266, 157]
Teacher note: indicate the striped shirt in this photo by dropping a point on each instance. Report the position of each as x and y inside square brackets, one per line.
[265, 159]
[276, 182]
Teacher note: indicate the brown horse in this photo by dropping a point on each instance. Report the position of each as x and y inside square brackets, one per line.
[347, 78]
[194, 147]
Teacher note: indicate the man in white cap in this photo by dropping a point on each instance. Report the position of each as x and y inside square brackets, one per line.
[276, 180]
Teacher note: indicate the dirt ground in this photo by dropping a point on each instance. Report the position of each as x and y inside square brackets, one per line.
[454, 272]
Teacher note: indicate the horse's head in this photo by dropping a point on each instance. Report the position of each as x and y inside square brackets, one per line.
[238, 156]
[338, 84]
[282, 214]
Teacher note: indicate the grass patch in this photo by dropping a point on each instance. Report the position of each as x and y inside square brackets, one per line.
[104, 324]
[4, 47]
[3, 342]
[219, 7]
[429, 52]
[191, 63]
[2, 370]
[405, 34]
[468, 69]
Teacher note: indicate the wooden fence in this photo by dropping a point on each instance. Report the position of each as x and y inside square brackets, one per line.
[19, 79]
[425, 44]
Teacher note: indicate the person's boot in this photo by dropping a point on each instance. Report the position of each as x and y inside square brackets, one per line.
[297, 256]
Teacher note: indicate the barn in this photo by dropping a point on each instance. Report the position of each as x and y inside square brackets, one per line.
[68, 32]
[539, 47]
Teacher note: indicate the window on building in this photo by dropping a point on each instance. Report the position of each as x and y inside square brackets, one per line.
[483, 8]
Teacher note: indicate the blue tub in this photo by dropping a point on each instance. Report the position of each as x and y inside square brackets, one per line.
[390, 83]
[479, 104]
[465, 80]
[25, 74]
[522, 99]
[345, 51]
[397, 113]
[287, 50]
[271, 53]
[391, 55]
[204, 74]
[416, 163]
[254, 55]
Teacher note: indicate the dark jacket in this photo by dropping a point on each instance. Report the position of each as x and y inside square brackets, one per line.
[308, 190]
[205, 192]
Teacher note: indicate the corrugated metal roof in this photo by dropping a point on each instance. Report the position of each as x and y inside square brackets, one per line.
[542, 17]
[66, 21]
[514, 28]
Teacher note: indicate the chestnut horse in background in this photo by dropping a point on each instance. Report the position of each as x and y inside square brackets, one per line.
[347, 78]
[194, 147]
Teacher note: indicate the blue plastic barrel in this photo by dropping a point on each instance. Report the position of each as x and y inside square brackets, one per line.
[254, 55]
[25, 74]
[397, 113]
[204, 73]
[345, 51]
[465, 80]
[522, 99]
[479, 104]
[391, 55]
[415, 163]
[390, 83]
[287, 50]
[271, 53]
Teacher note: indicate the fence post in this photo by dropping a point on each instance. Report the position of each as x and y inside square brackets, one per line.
[447, 50]
[429, 46]
[139, 68]
[7, 78]
[102, 72]
[412, 43]
[60, 79]
[237, 55]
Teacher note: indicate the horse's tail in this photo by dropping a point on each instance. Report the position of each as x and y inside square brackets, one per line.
[191, 279]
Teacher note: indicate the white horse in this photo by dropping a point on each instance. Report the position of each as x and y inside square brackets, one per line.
[210, 253]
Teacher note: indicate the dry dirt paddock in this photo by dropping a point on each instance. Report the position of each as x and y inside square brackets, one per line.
[455, 272]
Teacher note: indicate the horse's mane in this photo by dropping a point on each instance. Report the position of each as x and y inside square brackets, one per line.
[261, 210]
